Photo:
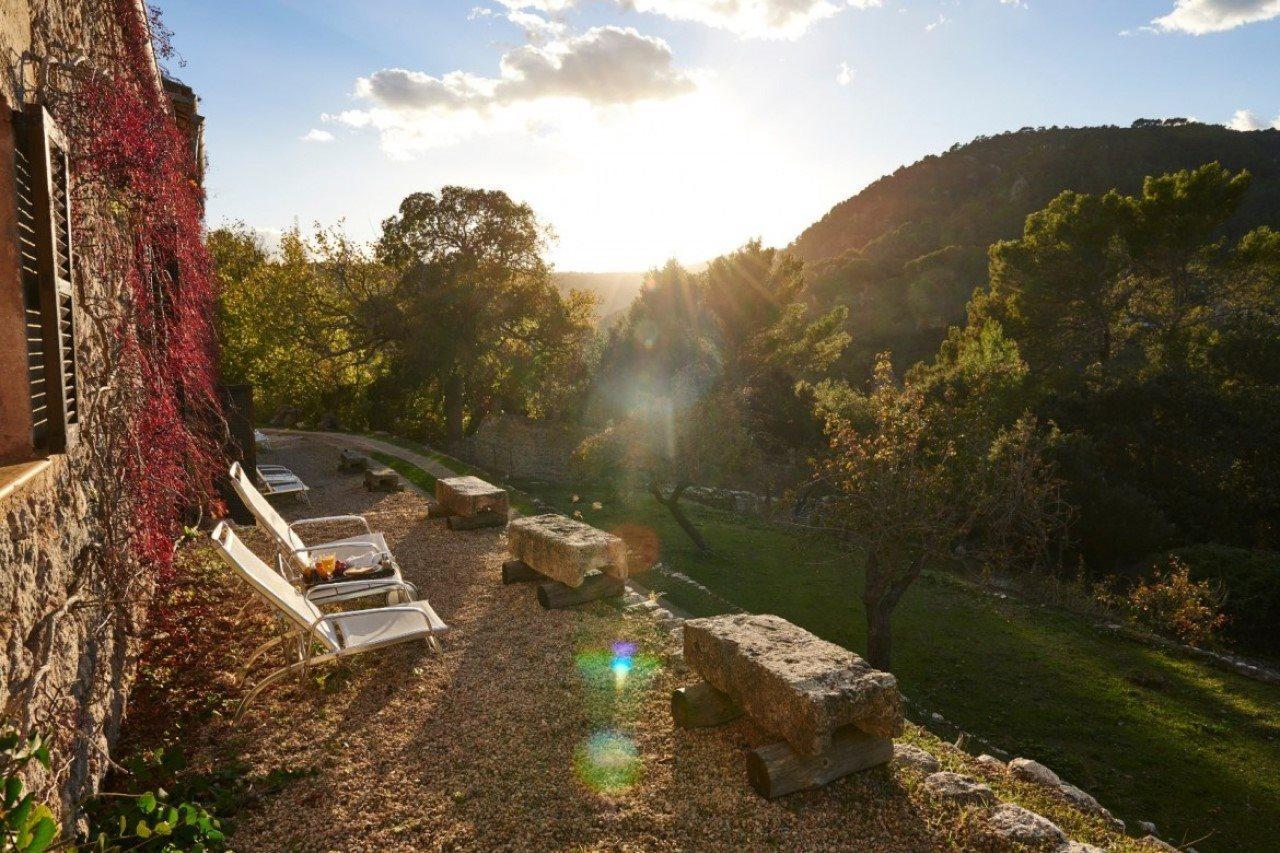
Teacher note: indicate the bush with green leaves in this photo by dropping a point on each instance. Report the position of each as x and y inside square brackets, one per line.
[167, 815]
[25, 825]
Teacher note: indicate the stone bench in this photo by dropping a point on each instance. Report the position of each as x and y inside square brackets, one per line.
[353, 460]
[470, 502]
[835, 713]
[378, 479]
[576, 562]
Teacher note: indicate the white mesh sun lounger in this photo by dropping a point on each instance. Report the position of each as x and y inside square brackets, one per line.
[368, 551]
[279, 480]
[337, 634]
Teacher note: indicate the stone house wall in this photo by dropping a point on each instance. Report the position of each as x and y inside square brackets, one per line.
[64, 657]
[66, 653]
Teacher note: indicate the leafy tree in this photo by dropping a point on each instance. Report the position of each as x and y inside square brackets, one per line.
[291, 322]
[914, 480]
[768, 341]
[707, 372]
[663, 332]
[474, 319]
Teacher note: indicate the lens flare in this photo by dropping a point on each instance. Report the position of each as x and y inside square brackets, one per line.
[608, 762]
[623, 654]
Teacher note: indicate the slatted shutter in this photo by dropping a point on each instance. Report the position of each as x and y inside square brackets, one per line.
[29, 273]
[44, 222]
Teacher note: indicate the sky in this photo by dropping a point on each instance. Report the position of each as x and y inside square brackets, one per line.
[642, 130]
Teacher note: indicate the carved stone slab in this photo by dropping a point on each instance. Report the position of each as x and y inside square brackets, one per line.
[792, 683]
[564, 549]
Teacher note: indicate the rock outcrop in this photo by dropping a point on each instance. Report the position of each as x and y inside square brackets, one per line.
[907, 755]
[1015, 825]
[959, 789]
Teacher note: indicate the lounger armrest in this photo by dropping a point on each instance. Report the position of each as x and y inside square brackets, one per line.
[331, 518]
[329, 617]
[370, 547]
[273, 468]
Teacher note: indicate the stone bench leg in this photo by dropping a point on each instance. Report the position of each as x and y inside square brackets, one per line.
[777, 770]
[554, 595]
[700, 706]
[474, 522]
[518, 571]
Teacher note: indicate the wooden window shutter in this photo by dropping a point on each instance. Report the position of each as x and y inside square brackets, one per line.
[47, 231]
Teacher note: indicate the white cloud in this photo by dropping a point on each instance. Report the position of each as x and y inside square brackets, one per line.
[942, 21]
[772, 19]
[538, 85]
[845, 74]
[315, 134]
[537, 29]
[769, 19]
[1245, 120]
[1210, 16]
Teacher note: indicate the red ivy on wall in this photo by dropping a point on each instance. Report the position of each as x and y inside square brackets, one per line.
[130, 150]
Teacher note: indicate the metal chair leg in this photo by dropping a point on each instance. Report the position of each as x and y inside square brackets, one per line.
[257, 653]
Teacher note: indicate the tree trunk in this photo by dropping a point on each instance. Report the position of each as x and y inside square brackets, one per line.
[883, 590]
[879, 637]
[453, 408]
[672, 504]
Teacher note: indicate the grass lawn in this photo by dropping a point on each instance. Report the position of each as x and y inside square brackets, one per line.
[408, 470]
[519, 499]
[1154, 736]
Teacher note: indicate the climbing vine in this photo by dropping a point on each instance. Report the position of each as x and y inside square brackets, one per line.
[151, 431]
[137, 176]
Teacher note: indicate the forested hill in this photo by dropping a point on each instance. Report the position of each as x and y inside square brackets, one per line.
[982, 191]
[906, 253]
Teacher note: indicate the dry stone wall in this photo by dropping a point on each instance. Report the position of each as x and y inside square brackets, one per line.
[511, 446]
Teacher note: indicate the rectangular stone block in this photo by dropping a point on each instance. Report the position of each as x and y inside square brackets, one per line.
[790, 682]
[468, 496]
[564, 549]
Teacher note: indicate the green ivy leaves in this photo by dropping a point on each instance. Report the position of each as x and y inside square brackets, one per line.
[25, 825]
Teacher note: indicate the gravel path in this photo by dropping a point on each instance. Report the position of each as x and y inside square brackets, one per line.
[523, 734]
[284, 438]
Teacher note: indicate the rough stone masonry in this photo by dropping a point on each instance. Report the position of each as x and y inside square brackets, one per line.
[792, 683]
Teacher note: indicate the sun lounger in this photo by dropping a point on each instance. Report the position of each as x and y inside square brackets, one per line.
[372, 568]
[338, 635]
[279, 480]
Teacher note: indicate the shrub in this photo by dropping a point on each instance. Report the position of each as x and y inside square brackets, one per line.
[1172, 603]
[162, 812]
[25, 825]
[1251, 580]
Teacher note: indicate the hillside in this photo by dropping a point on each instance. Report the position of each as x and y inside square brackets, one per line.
[906, 252]
[614, 290]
